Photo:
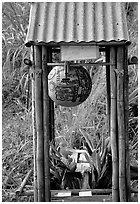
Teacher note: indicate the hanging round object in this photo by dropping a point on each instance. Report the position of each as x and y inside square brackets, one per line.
[71, 88]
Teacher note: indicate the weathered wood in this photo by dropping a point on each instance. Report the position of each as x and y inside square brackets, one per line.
[46, 122]
[126, 119]
[34, 127]
[121, 124]
[39, 123]
[113, 127]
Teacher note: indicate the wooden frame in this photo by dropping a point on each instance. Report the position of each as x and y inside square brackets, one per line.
[117, 113]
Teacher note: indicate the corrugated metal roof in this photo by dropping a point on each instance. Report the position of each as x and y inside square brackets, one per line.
[77, 22]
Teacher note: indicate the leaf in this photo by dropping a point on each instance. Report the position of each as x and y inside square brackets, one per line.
[103, 157]
[98, 163]
[93, 178]
[72, 166]
[102, 145]
[133, 96]
[94, 155]
[55, 150]
[55, 172]
[88, 139]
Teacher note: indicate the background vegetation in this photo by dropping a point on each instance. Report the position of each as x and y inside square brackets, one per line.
[16, 101]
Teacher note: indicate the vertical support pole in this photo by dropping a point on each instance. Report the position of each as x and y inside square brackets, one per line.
[108, 88]
[52, 125]
[113, 127]
[52, 130]
[28, 92]
[126, 119]
[34, 128]
[46, 124]
[39, 123]
[121, 123]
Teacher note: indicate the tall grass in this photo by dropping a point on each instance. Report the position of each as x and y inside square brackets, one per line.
[90, 115]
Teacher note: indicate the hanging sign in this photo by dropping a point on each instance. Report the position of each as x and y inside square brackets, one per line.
[70, 53]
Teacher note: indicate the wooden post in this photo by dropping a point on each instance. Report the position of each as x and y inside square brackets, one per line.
[113, 127]
[121, 124]
[46, 117]
[39, 123]
[108, 89]
[126, 119]
[34, 128]
[52, 125]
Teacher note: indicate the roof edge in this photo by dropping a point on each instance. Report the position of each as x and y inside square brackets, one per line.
[100, 43]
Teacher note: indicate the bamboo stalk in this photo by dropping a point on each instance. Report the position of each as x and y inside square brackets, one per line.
[108, 89]
[52, 125]
[121, 124]
[126, 119]
[34, 129]
[46, 116]
[20, 189]
[113, 127]
[39, 124]
[73, 192]
[27, 91]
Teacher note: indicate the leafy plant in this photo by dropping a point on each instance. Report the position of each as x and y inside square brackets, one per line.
[14, 28]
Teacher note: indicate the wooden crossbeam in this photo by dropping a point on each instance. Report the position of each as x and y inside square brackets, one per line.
[80, 64]
[75, 192]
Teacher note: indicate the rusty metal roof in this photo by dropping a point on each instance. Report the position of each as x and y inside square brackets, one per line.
[77, 22]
